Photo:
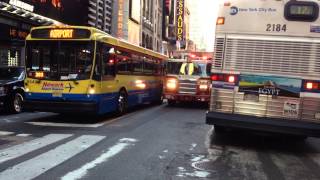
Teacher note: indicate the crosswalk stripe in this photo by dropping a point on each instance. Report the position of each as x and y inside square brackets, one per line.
[114, 150]
[66, 124]
[5, 133]
[26, 147]
[36, 166]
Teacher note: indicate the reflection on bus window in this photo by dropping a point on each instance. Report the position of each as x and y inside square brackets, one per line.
[61, 60]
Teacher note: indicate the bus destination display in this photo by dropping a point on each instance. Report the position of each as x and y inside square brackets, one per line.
[301, 10]
[61, 33]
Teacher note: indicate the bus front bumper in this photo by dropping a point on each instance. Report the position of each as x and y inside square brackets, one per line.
[275, 125]
[61, 106]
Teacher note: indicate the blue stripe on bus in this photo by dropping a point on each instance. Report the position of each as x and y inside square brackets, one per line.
[107, 102]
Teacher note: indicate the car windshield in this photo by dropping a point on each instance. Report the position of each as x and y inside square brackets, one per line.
[60, 60]
[189, 68]
[11, 73]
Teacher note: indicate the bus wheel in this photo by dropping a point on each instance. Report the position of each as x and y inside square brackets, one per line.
[171, 102]
[122, 103]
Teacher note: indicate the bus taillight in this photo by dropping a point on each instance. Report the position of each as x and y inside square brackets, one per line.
[230, 78]
[311, 85]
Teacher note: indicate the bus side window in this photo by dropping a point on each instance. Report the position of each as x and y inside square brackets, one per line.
[108, 63]
[137, 64]
[97, 66]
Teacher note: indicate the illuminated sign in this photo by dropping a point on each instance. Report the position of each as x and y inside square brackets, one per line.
[22, 5]
[135, 10]
[180, 20]
[61, 33]
[120, 18]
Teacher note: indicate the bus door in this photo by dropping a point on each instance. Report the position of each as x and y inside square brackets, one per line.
[108, 82]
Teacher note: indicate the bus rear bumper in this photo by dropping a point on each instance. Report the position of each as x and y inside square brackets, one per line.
[61, 107]
[275, 125]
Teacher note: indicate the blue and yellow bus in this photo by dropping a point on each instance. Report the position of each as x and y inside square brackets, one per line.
[76, 69]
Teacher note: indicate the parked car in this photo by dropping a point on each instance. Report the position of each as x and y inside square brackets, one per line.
[11, 88]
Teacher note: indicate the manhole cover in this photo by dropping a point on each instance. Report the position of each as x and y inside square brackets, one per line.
[203, 166]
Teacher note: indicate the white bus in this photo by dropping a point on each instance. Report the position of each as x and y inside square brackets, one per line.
[266, 69]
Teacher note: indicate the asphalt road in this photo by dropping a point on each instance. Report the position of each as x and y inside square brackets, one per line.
[149, 143]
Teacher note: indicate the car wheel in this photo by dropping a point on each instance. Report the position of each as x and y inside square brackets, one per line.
[171, 102]
[122, 103]
[16, 104]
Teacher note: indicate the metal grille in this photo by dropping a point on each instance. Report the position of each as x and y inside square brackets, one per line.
[187, 86]
[266, 55]
[230, 101]
[219, 51]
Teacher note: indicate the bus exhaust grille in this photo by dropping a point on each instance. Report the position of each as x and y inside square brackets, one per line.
[297, 57]
[218, 53]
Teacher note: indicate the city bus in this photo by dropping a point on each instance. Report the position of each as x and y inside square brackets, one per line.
[76, 69]
[266, 68]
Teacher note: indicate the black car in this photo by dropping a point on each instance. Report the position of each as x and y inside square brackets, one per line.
[11, 88]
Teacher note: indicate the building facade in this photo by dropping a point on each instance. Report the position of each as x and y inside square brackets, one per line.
[151, 24]
[176, 23]
[100, 14]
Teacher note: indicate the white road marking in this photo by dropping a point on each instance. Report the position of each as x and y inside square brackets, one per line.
[42, 163]
[5, 133]
[193, 145]
[114, 150]
[65, 124]
[26, 147]
[23, 135]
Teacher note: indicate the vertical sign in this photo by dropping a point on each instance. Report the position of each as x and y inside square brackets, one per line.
[180, 20]
[120, 18]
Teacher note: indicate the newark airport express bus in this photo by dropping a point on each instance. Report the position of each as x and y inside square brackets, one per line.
[266, 70]
[73, 69]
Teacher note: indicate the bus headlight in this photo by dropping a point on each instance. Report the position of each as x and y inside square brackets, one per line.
[172, 84]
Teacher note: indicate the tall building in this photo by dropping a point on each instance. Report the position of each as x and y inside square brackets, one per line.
[100, 14]
[176, 24]
[151, 22]
[202, 30]
[126, 20]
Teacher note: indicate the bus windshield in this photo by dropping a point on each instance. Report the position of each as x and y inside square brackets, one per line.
[189, 68]
[60, 60]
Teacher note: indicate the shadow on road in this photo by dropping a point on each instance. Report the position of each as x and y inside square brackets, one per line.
[188, 105]
[86, 118]
[263, 142]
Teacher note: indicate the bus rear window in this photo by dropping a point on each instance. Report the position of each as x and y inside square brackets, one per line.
[301, 11]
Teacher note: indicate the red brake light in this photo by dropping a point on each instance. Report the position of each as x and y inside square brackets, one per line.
[215, 77]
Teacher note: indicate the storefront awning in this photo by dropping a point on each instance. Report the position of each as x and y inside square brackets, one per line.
[26, 15]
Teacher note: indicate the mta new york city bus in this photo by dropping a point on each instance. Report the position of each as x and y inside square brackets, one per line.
[266, 70]
[72, 69]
